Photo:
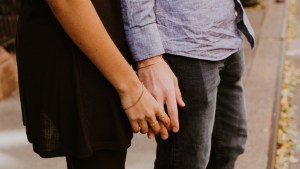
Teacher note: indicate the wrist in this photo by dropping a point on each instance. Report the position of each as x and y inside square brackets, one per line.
[136, 102]
[130, 94]
[128, 86]
[149, 61]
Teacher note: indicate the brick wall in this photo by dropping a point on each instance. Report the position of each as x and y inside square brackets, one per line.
[8, 74]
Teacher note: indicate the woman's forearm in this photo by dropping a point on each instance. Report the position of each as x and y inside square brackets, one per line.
[81, 22]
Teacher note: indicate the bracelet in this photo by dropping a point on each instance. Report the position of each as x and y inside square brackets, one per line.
[160, 60]
[142, 93]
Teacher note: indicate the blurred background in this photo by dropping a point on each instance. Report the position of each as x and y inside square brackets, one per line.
[271, 81]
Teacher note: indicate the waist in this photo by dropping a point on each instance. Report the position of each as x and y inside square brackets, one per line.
[198, 12]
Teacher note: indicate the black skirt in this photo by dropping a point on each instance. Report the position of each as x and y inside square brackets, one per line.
[68, 106]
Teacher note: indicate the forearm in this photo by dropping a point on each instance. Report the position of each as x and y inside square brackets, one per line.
[81, 22]
[141, 29]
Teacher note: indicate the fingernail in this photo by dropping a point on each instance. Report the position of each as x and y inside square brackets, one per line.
[150, 136]
[175, 129]
[164, 137]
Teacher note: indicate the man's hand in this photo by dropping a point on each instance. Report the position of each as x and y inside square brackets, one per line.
[163, 85]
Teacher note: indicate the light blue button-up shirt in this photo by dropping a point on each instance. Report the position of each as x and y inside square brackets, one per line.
[203, 29]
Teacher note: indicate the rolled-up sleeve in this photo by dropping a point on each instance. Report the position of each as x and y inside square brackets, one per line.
[141, 30]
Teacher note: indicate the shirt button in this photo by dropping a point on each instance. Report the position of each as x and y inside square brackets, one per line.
[236, 13]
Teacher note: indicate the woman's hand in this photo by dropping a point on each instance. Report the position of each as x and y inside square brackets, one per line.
[143, 111]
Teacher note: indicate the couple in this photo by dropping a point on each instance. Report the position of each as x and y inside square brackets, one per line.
[81, 99]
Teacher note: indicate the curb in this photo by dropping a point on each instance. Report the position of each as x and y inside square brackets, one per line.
[276, 109]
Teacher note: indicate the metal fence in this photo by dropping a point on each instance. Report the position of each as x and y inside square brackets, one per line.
[8, 23]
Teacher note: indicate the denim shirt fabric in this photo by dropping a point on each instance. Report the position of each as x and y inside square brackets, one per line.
[202, 29]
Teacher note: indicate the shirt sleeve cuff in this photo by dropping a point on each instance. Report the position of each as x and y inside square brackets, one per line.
[144, 42]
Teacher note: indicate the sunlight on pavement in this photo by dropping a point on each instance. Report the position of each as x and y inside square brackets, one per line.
[16, 153]
[6, 161]
[12, 138]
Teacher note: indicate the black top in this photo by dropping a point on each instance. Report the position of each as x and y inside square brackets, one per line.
[68, 107]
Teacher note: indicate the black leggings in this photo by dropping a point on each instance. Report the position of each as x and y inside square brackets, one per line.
[104, 159]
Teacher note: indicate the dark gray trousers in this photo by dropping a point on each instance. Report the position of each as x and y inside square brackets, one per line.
[213, 127]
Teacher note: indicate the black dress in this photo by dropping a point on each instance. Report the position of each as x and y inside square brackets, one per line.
[68, 107]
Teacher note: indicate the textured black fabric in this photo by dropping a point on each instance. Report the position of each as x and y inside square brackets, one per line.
[104, 159]
[68, 107]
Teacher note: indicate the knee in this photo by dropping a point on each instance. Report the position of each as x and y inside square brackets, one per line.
[239, 146]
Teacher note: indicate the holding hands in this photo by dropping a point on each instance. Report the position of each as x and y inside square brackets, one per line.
[161, 82]
[145, 107]
[144, 112]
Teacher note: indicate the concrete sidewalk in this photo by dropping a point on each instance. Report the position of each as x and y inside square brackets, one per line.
[260, 80]
[262, 87]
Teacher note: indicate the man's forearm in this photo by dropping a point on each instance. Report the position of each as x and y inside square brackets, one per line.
[141, 29]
